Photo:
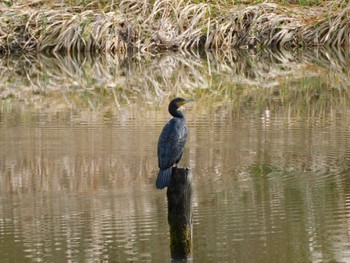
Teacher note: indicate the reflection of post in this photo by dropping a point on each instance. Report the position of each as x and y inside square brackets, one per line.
[179, 195]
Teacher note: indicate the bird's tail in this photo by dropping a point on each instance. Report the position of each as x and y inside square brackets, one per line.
[163, 179]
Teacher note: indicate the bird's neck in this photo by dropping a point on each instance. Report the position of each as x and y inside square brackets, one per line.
[177, 113]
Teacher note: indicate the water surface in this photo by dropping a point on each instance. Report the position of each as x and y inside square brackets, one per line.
[269, 149]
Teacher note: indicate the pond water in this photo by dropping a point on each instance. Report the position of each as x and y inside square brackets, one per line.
[268, 147]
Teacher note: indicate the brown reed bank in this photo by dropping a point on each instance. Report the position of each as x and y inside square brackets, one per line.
[150, 26]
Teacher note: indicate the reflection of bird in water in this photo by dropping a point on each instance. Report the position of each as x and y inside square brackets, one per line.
[171, 142]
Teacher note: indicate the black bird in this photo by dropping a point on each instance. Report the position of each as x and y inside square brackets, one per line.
[171, 143]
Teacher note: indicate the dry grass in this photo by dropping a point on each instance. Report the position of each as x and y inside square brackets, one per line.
[148, 26]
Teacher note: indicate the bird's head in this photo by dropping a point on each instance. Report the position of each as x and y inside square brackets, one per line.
[178, 102]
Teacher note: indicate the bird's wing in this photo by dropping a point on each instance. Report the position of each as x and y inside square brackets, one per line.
[171, 143]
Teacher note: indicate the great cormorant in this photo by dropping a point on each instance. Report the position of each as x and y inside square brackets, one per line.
[171, 142]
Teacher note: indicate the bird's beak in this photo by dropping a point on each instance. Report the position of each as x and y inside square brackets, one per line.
[187, 101]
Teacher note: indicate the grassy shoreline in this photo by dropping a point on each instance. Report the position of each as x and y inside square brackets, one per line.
[152, 26]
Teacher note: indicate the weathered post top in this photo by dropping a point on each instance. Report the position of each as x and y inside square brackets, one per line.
[179, 196]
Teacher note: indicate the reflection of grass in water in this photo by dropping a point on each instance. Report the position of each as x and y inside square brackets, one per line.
[242, 79]
[262, 170]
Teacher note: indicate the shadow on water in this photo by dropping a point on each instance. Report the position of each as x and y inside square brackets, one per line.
[269, 147]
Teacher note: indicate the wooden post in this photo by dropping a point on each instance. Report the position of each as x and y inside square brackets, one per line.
[179, 196]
